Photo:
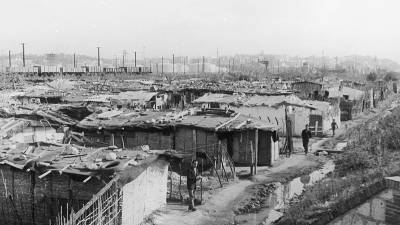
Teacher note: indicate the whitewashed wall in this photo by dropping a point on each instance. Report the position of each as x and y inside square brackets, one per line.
[145, 194]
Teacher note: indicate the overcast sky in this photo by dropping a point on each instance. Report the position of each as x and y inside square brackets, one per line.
[199, 27]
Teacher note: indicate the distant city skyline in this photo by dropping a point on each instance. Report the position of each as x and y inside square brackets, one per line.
[198, 28]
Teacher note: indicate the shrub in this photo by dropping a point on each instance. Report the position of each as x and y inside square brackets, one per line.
[371, 77]
[352, 160]
[391, 76]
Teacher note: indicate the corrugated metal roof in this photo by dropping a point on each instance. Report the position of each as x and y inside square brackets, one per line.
[140, 96]
[99, 98]
[161, 120]
[219, 98]
[353, 94]
[261, 100]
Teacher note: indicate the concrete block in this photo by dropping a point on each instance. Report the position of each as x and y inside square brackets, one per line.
[371, 223]
[347, 219]
[357, 220]
[365, 209]
[378, 209]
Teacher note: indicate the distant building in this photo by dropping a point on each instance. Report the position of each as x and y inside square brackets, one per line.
[307, 90]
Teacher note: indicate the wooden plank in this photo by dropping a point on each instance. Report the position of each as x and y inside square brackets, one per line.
[256, 151]
[252, 158]
[227, 122]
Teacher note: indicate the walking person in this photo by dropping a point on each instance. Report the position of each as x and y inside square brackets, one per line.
[305, 136]
[192, 177]
[334, 126]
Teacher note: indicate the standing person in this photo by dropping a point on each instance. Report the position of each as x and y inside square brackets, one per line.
[334, 126]
[192, 177]
[305, 136]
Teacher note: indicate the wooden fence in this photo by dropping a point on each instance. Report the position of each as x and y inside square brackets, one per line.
[105, 208]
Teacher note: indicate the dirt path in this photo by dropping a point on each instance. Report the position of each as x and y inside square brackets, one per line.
[219, 208]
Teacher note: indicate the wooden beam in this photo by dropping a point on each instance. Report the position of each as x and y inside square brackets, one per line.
[252, 158]
[112, 139]
[241, 124]
[227, 122]
[87, 179]
[256, 151]
[64, 168]
[194, 134]
[44, 174]
[123, 142]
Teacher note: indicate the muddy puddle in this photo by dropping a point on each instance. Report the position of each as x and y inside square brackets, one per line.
[281, 196]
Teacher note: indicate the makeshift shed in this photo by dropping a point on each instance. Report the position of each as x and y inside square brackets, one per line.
[145, 99]
[307, 89]
[345, 92]
[187, 132]
[351, 101]
[66, 184]
[219, 101]
[267, 108]
[323, 115]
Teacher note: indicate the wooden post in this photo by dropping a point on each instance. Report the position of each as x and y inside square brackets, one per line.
[32, 197]
[194, 134]
[252, 158]
[170, 190]
[256, 152]
[180, 180]
[112, 139]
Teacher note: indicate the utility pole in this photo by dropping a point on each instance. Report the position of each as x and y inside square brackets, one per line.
[233, 65]
[116, 62]
[74, 61]
[219, 65]
[23, 54]
[150, 66]
[278, 66]
[203, 68]
[184, 65]
[135, 58]
[9, 58]
[123, 58]
[162, 65]
[173, 64]
[229, 65]
[98, 56]
[198, 66]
